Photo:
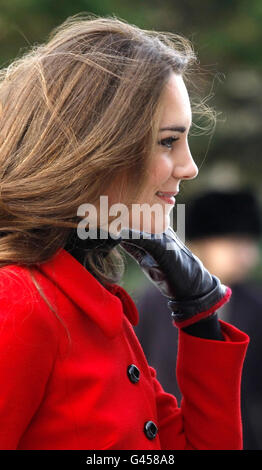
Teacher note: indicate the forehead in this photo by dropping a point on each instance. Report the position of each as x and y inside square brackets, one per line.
[176, 108]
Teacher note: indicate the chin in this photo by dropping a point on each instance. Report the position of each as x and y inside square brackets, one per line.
[152, 226]
[160, 227]
[157, 221]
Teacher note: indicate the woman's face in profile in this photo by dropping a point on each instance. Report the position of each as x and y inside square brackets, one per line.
[170, 163]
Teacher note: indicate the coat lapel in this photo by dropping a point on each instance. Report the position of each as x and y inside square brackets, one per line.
[104, 306]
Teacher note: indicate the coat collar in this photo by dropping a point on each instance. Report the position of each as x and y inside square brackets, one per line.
[104, 306]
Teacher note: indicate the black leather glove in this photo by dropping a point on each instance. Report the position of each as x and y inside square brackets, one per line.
[193, 293]
[98, 242]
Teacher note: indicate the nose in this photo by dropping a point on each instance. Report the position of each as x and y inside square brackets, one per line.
[185, 166]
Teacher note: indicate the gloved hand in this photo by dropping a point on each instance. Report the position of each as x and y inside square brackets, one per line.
[193, 293]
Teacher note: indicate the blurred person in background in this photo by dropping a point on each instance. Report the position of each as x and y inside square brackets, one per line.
[223, 229]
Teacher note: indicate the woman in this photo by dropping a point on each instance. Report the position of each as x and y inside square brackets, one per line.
[81, 117]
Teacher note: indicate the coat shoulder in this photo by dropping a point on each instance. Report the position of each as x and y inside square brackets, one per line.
[20, 299]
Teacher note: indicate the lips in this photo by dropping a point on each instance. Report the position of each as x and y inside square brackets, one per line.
[166, 194]
[167, 197]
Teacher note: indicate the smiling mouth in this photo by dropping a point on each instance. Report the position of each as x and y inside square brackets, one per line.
[166, 197]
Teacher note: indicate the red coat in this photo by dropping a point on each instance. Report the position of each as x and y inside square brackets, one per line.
[83, 394]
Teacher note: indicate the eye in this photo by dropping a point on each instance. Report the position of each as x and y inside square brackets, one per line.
[168, 142]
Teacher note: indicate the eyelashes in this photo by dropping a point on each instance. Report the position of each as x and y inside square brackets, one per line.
[168, 142]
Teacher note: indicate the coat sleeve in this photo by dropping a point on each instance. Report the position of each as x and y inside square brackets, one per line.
[28, 347]
[209, 375]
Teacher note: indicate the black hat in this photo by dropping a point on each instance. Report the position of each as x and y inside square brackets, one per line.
[220, 213]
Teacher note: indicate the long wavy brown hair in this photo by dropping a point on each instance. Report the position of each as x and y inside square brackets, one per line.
[75, 112]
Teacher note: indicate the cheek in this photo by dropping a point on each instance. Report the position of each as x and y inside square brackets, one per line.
[161, 172]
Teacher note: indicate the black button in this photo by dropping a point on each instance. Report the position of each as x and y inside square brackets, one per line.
[133, 373]
[150, 429]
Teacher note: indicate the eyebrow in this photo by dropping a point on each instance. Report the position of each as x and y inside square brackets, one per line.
[174, 128]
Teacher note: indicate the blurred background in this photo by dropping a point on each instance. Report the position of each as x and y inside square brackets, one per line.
[227, 37]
